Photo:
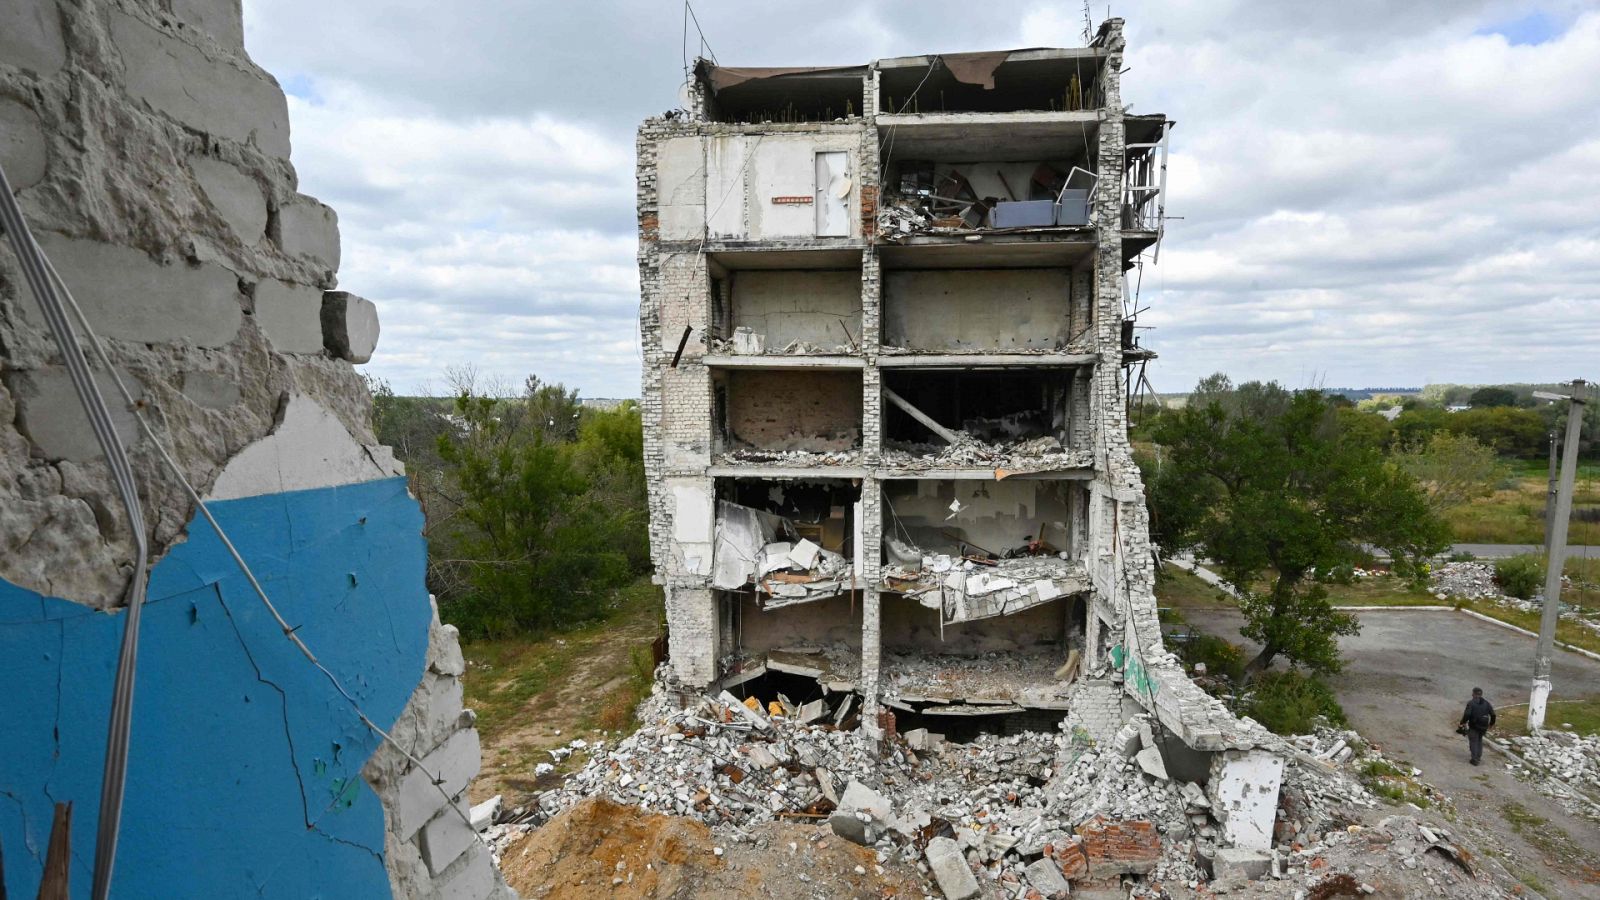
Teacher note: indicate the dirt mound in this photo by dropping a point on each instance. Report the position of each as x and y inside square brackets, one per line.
[603, 849]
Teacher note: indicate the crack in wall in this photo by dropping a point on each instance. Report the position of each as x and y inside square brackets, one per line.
[288, 732]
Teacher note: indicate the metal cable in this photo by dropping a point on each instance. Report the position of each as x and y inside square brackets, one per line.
[289, 631]
[36, 271]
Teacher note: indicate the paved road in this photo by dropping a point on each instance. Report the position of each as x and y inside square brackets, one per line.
[1501, 551]
[1407, 677]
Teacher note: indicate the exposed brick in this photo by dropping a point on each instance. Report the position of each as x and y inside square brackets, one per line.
[1120, 847]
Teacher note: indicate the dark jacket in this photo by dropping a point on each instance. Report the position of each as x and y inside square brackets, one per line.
[1478, 709]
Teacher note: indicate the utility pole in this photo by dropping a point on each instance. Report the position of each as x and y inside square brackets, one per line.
[1556, 539]
[1550, 496]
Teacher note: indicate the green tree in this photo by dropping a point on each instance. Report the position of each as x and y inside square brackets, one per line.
[1510, 431]
[1451, 469]
[534, 548]
[1264, 482]
[1487, 397]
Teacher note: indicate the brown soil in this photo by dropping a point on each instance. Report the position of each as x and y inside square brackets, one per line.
[583, 852]
[556, 716]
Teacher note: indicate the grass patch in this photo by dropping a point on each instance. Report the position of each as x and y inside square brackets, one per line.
[504, 676]
[1567, 631]
[1379, 590]
[1179, 588]
[1582, 713]
[1514, 514]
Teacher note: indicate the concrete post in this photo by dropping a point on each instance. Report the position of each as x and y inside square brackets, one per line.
[1556, 539]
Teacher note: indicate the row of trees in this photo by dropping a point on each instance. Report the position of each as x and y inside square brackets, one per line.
[535, 503]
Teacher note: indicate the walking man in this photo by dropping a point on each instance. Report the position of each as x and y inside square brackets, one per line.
[1478, 718]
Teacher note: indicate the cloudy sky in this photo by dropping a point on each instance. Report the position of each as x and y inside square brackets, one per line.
[1372, 193]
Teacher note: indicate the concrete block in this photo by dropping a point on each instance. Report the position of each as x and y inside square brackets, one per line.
[290, 315]
[311, 229]
[950, 869]
[223, 20]
[1046, 878]
[129, 296]
[446, 837]
[456, 761]
[310, 448]
[236, 197]
[1248, 865]
[30, 37]
[483, 814]
[23, 150]
[1244, 796]
[349, 326]
[471, 877]
[219, 96]
[1149, 759]
[208, 390]
[51, 417]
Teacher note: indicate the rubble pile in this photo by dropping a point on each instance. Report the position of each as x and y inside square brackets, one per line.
[1467, 581]
[1036, 454]
[966, 589]
[1031, 815]
[752, 456]
[1476, 581]
[1563, 766]
[748, 342]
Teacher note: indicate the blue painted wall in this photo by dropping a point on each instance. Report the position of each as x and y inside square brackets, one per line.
[244, 771]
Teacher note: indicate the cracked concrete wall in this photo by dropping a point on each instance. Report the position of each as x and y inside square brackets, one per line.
[150, 156]
[822, 307]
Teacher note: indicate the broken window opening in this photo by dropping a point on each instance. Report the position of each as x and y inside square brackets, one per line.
[947, 196]
[781, 95]
[787, 542]
[793, 311]
[999, 81]
[790, 417]
[1016, 423]
[969, 550]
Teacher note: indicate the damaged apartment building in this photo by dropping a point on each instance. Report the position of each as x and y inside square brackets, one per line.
[887, 358]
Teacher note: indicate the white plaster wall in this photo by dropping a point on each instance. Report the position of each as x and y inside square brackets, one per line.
[745, 171]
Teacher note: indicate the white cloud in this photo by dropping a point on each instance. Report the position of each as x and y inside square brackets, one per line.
[1371, 193]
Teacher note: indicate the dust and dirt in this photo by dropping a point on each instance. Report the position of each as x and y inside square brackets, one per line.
[572, 706]
[599, 848]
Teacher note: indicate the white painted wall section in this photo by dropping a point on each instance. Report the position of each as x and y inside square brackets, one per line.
[1244, 796]
[693, 522]
[310, 448]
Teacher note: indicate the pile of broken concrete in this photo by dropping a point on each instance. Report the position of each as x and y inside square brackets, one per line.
[1031, 815]
[1563, 766]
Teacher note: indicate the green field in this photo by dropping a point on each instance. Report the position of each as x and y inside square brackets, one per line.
[1514, 514]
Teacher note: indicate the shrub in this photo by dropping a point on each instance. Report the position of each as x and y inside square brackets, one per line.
[1520, 576]
[1221, 658]
[1291, 702]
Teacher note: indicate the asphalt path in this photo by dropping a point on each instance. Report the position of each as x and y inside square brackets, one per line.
[1407, 677]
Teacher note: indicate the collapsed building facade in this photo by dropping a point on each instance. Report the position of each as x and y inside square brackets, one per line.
[149, 159]
[886, 367]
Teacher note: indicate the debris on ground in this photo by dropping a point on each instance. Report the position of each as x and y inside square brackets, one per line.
[1563, 766]
[1014, 816]
[598, 848]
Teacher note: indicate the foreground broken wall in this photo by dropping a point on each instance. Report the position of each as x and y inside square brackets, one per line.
[150, 156]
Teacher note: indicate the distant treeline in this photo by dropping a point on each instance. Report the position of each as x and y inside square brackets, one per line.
[1506, 418]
